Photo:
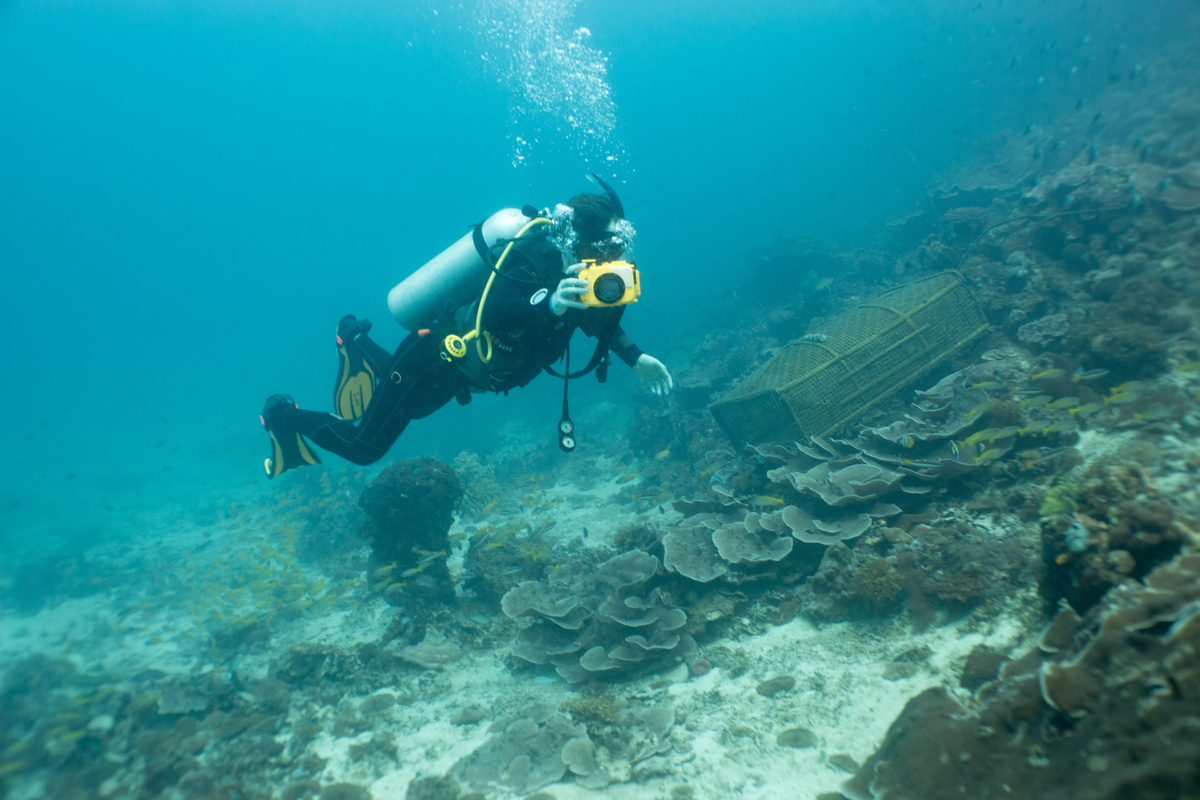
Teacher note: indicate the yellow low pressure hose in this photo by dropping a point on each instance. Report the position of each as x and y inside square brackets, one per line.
[478, 334]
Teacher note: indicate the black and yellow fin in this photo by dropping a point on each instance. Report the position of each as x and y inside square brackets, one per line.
[288, 451]
[356, 383]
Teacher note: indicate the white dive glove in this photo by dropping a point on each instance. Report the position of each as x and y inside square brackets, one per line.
[654, 374]
[569, 290]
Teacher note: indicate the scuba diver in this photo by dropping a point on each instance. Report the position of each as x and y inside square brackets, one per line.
[488, 314]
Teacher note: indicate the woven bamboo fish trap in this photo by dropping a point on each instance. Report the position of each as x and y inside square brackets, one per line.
[812, 388]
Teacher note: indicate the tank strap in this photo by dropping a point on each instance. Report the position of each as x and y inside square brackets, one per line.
[481, 245]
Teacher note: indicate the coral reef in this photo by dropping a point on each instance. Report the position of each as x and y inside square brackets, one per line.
[591, 623]
[410, 507]
[478, 482]
[1104, 708]
[538, 745]
[1096, 533]
[930, 570]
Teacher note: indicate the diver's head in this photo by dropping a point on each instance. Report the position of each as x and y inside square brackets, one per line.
[592, 226]
[595, 222]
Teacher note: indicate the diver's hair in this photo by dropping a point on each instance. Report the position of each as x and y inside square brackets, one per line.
[593, 213]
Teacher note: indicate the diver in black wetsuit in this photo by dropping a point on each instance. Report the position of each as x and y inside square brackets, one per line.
[529, 313]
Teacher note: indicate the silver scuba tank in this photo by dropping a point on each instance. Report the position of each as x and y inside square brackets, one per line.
[452, 278]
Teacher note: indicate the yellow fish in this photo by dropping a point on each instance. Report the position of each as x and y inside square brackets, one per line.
[662, 455]
[490, 506]
[1034, 427]
[1046, 374]
[628, 477]
[978, 435]
[382, 571]
[1122, 399]
[1085, 410]
[988, 455]
[1064, 402]
[764, 500]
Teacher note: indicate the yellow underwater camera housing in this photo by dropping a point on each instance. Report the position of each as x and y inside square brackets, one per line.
[613, 283]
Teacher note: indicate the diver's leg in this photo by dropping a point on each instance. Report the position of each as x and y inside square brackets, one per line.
[361, 365]
[417, 383]
[352, 331]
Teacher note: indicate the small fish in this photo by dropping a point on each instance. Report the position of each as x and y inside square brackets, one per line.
[1086, 410]
[954, 450]
[1061, 426]
[1167, 340]
[979, 409]
[383, 571]
[663, 455]
[1034, 427]
[428, 556]
[10, 767]
[1047, 374]
[979, 436]
[1047, 458]
[823, 284]
[988, 455]
[1189, 367]
[1141, 418]
[709, 471]
[493, 545]
[490, 506]
[628, 477]
[16, 747]
[395, 589]
[907, 440]
[1088, 375]
[765, 500]
[1123, 398]
[987, 385]
[408, 573]
[511, 571]
[1064, 402]
[661, 497]
[1036, 401]
[923, 464]
[1003, 433]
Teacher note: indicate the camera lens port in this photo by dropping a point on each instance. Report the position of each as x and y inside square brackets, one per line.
[609, 288]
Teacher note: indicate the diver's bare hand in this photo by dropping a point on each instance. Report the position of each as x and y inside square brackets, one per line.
[568, 293]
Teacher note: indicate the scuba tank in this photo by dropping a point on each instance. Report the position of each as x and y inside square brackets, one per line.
[454, 277]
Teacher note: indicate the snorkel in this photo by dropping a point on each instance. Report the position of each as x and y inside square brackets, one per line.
[612, 195]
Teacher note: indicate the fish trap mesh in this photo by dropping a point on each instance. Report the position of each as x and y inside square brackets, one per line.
[872, 351]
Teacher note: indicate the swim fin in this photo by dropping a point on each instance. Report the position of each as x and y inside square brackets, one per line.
[288, 448]
[357, 379]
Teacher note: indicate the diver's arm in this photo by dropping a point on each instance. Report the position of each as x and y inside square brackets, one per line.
[652, 371]
[623, 346]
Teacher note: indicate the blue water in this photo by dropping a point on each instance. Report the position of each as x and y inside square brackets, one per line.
[192, 194]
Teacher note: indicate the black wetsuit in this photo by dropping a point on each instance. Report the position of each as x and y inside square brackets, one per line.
[416, 380]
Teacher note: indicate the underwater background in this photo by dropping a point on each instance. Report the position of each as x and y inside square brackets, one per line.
[193, 194]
